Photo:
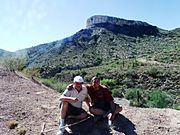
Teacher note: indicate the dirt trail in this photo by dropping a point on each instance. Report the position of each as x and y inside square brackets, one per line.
[32, 104]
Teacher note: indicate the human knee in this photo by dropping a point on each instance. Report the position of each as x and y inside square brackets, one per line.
[64, 104]
[92, 110]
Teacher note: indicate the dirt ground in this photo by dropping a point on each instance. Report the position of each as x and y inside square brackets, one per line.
[32, 104]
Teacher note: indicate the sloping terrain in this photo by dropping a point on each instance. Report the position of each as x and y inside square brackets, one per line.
[109, 41]
[26, 102]
[32, 104]
[106, 40]
[4, 52]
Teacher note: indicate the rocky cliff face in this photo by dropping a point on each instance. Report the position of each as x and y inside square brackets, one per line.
[122, 26]
[112, 20]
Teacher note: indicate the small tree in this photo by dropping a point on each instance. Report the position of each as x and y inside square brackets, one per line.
[13, 64]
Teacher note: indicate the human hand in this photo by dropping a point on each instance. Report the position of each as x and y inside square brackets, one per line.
[74, 99]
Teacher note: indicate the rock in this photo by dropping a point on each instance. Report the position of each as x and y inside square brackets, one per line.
[122, 26]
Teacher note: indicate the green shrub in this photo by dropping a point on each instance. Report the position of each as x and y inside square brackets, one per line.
[60, 87]
[48, 82]
[135, 63]
[83, 73]
[176, 106]
[153, 71]
[15, 63]
[117, 92]
[133, 93]
[136, 97]
[32, 72]
[109, 82]
[155, 98]
[54, 84]
[99, 74]
[159, 99]
[132, 74]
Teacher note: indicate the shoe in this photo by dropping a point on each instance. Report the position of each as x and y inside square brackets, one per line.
[61, 131]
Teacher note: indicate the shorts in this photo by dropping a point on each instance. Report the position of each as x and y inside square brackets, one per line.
[72, 110]
[103, 105]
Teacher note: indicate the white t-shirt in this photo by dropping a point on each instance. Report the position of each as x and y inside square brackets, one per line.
[79, 95]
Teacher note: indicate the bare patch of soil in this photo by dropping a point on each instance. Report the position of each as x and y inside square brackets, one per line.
[31, 104]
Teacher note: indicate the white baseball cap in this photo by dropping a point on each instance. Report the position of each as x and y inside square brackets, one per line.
[78, 79]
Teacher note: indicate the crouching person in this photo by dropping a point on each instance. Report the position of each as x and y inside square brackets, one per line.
[102, 100]
[71, 103]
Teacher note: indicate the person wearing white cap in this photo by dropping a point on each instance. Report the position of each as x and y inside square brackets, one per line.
[71, 103]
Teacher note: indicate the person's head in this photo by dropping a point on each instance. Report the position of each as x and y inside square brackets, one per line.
[95, 81]
[78, 81]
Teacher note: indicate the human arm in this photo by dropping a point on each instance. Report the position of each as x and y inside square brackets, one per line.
[109, 98]
[68, 99]
[66, 96]
[88, 101]
[113, 106]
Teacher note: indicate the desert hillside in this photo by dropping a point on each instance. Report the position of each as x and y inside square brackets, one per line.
[31, 104]
[135, 59]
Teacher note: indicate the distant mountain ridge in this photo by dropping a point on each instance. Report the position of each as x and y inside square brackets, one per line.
[105, 39]
[77, 48]
[4, 52]
[133, 53]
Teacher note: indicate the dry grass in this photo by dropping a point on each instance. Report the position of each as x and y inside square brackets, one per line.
[12, 124]
[22, 131]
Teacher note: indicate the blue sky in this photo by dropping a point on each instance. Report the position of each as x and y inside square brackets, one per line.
[27, 23]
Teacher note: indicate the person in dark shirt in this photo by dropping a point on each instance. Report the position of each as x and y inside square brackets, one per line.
[101, 102]
[101, 99]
